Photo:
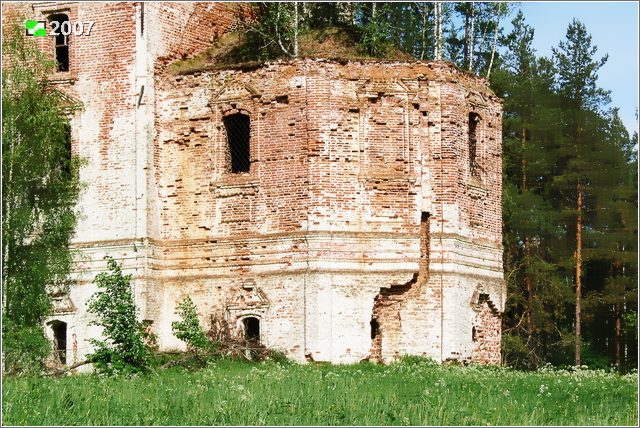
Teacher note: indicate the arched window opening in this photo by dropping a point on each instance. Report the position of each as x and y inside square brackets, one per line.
[474, 336]
[238, 128]
[251, 329]
[61, 42]
[59, 329]
[474, 120]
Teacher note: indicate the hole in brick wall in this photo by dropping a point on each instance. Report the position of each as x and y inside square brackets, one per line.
[473, 334]
[424, 242]
[474, 119]
[59, 329]
[251, 329]
[238, 128]
[375, 328]
[61, 42]
[282, 99]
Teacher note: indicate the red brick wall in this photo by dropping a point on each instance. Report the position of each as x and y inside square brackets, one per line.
[345, 158]
[184, 29]
[488, 331]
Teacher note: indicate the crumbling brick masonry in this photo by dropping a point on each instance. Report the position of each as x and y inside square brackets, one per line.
[339, 211]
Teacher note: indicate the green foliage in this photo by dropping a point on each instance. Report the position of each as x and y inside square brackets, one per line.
[277, 29]
[124, 351]
[384, 29]
[375, 28]
[412, 392]
[630, 320]
[188, 328]
[278, 357]
[556, 135]
[415, 360]
[25, 348]
[40, 187]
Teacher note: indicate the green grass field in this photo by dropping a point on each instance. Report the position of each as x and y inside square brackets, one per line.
[412, 392]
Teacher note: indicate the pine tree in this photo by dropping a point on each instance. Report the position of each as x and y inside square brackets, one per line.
[535, 291]
[612, 240]
[577, 74]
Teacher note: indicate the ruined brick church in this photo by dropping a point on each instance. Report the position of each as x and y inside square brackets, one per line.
[335, 210]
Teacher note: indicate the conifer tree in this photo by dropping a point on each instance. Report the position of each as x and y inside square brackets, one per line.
[580, 157]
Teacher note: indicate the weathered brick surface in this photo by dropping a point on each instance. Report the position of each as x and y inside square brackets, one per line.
[325, 231]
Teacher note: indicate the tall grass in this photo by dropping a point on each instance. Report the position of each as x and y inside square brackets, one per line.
[412, 392]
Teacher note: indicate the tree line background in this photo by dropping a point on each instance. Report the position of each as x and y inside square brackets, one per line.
[569, 165]
[569, 171]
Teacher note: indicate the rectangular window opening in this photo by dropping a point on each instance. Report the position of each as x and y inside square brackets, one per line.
[238, 129]
[61, 41]
[474, 119]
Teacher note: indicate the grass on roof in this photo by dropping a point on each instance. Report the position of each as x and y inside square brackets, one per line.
[241, 49]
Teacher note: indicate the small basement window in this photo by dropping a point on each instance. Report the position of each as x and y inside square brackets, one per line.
[61, 42]
[474, 119]
[238, 127]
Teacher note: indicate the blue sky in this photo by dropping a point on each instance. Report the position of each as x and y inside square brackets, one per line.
[614, 30]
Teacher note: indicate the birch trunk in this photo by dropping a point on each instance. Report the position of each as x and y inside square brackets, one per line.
[424, 30]
[493, 48]
[472, 39]
[295, 28]
[438, 31]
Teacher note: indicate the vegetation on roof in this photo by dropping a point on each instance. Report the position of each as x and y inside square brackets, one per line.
[243, 49]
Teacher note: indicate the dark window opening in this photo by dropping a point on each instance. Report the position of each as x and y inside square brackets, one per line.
[60, 340]
[474, 119]
[483, 297]
[252, 329]
[375, 328]
[238, 127]
[473, 334]
[424, 242]
[424, 235]
[67, 160]
[61, 42]
[141, 18]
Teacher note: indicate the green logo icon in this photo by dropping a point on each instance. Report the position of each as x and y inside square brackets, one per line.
[35, 28]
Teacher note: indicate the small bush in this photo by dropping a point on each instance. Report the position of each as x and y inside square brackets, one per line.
[278, 357]
[124, 351]
[24, 349]
[417, 360]
[189, 330]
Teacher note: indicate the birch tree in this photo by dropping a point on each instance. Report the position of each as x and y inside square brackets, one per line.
[40, 188]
